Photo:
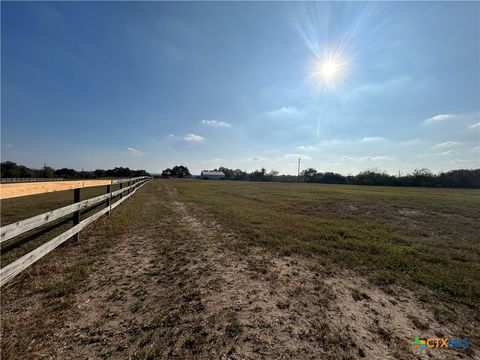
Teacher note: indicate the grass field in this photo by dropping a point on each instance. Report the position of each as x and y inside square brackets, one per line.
[416, 237]
[219, 269]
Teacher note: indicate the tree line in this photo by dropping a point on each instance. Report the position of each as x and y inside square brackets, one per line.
[9, 169]
[419, 177]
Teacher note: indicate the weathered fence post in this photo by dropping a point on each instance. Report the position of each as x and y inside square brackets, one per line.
[77, 214]
[121, 187]
[109, 201]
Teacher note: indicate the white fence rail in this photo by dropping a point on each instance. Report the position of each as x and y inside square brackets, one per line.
[16, 229]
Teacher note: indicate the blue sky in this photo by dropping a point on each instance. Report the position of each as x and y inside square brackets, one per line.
[150, 85]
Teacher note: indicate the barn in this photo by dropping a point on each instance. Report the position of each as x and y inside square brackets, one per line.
[212, 175]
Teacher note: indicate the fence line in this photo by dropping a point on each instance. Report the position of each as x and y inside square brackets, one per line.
[12, 190]
[15, 180]
[13, 230]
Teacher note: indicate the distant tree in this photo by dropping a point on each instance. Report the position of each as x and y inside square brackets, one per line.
[333, 178]
[25, 172]
[48, 172]
[271, 175]
[258, 175]
[167, 173]
[9, 169]
[240, 174]
[100, 173]
[229, 173]
[178, 171]
[309, 175]
[421, 177]
[460, 178]
[373, 177]
[66, 173]
[138, 173]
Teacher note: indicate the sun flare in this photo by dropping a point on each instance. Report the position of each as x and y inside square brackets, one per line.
[330, 72]
[329, 69]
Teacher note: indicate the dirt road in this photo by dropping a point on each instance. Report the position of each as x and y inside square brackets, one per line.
[175, 284]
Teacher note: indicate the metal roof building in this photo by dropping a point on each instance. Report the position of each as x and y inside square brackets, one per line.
[212, 175]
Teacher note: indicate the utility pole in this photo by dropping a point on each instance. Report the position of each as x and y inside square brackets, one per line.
[298, 171]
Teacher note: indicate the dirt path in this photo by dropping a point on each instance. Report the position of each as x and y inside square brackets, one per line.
[184, 287]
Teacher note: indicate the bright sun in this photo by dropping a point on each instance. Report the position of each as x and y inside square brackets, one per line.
[329, 69]
[329, 72]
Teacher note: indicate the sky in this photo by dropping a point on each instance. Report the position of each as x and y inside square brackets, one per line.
[150, 85]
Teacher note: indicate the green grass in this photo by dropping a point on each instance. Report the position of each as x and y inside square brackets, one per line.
[420, 238]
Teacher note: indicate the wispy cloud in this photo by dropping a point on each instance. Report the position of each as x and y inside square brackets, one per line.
[193, 138]
[474, 126]
[446, 144]
[132, 151]
[215, 123]
[258, 158]
[372, 139]
[283, 111]
[213, 161]
[368, 158]
[409, 142]
[332, 142]
[306, 148]
[294, 156]
[443, 153]
[474, 162]
[439, 118]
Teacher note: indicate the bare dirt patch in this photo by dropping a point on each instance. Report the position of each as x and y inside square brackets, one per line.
[114, 305]
[383, 324]
[286, 306]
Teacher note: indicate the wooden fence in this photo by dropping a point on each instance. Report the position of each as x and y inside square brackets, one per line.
[15, 180]
[9, 232]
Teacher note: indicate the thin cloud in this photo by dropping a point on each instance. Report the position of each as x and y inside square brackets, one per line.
[216, 160]
[294, 156]
[409, 142]
[443, 153]
[465, 161]
[368, 158]
[132, 151]
[193, 138]
[283, 111]
[258, 158]
[215, 123]
[474, 126]
[332, 143]
[439, 118]
[446, 144]
[306, 148]
[368, 139]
